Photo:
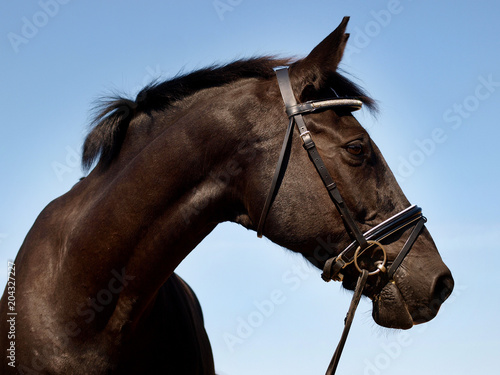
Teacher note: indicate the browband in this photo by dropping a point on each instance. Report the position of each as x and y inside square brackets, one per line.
[315, 105]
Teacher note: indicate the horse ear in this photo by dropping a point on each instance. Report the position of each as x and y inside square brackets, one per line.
[321, 62]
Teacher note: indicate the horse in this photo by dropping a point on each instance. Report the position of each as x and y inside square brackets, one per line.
[164, 169]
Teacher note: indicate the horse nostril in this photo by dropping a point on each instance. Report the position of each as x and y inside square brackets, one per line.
[443, 288]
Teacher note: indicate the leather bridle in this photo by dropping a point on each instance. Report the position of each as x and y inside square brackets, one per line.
[334, 267]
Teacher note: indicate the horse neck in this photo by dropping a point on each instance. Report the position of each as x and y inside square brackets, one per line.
[158, 200]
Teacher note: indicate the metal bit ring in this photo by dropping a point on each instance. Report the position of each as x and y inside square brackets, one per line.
[380, 266]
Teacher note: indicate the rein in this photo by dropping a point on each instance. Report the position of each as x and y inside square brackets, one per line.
[334, 266]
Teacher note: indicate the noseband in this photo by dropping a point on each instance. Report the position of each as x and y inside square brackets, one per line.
[334, 267]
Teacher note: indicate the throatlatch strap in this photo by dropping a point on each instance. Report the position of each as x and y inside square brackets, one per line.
[348, 321]
[277, 178]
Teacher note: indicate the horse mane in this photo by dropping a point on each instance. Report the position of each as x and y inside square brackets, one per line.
[114, 114]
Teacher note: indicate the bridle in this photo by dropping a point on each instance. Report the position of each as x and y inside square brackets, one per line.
[334, 267]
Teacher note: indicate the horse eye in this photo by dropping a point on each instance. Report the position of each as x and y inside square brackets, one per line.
[355, 149]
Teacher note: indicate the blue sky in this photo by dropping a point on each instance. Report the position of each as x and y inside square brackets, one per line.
[433, 66]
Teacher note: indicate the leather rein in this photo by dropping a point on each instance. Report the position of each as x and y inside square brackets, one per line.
[333, 268]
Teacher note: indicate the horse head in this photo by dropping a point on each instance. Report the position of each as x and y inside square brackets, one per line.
[304, 218]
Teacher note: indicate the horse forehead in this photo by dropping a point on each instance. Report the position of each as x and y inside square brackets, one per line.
[338, 123]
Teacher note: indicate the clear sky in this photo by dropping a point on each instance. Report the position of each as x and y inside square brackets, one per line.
[433, 66]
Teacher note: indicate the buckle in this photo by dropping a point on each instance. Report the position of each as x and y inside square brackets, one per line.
[333, 267]
[307, 139]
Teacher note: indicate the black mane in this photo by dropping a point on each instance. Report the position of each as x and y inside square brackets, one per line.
[110, 124]
[161, 95]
